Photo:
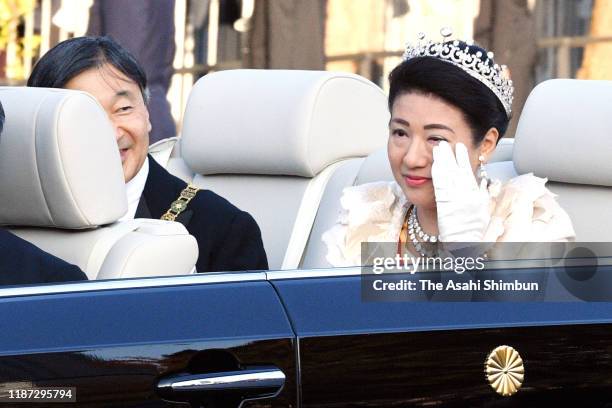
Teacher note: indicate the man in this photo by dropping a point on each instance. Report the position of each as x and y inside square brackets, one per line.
[228, 239]
[23, 263]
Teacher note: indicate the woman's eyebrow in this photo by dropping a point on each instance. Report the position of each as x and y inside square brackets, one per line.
[400, 121]
[438, 126]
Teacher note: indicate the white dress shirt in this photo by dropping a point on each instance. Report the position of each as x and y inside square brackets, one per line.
[134, 189]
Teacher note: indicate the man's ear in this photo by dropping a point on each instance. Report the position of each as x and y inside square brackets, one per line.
[149, 126]
[146, 97]
[489, 143]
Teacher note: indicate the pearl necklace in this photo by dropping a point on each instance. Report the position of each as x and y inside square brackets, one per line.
[415, 232]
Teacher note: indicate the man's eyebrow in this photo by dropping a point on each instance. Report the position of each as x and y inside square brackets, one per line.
[438, 126]
[122, 93]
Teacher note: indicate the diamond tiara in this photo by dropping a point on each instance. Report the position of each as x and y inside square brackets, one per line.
[493, 76]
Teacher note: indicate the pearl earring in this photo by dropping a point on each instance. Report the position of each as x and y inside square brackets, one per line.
[482, 173]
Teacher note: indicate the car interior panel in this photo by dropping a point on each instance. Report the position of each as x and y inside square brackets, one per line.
[265, 165]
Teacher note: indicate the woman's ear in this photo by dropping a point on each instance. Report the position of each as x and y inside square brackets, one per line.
[489, 143]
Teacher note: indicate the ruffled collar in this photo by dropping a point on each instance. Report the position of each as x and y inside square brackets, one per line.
[522, 209]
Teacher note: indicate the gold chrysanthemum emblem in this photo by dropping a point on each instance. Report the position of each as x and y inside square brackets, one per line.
[505, 371]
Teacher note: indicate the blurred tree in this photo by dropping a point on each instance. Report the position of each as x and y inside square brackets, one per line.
[12, 43]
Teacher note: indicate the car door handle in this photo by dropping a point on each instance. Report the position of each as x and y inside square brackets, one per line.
[253, 382]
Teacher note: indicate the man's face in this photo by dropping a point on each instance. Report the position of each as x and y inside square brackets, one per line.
[122, 100]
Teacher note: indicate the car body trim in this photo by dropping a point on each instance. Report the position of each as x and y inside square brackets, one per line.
[149, 282]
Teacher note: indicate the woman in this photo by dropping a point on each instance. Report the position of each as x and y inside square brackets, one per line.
[450, 104]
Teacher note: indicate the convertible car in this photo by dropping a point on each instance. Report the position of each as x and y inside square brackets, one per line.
[147, 332]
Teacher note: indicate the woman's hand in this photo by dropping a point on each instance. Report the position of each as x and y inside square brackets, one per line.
[462, 205]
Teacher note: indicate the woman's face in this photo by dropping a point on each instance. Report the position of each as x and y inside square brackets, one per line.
[418, 123]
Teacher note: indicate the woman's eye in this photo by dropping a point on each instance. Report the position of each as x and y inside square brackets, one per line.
[398, 132]
[436, 139]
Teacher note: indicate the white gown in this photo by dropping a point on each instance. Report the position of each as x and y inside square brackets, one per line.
[522, 210]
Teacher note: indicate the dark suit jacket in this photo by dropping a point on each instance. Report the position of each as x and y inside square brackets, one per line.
[23, 263]
[229, 239]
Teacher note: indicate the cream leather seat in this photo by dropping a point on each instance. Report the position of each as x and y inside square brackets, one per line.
[270, 141]
[62, 189]
[564, 135]
[503, 151]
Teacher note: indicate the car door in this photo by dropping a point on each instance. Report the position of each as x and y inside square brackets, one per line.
[214, 340]
[356, 352]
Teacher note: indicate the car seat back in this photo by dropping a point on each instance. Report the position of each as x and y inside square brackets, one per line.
[270, 141]
[62, 188]
[564, 135]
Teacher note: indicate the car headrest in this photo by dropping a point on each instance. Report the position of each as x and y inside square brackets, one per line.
[59, 162]
[281, 122]
[564, 132]
[375, 168]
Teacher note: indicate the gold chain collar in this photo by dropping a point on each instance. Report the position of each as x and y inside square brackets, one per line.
[180, 204]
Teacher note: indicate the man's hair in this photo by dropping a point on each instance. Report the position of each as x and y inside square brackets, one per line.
[72, 57]
[1, 117]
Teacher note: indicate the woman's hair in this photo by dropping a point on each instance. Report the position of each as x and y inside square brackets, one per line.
[71, 57]
[429, 75]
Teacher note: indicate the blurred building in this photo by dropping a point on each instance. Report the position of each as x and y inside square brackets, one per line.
[537, 39]
[369, 36]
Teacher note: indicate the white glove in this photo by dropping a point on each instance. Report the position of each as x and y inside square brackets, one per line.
[462, 205]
